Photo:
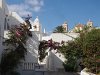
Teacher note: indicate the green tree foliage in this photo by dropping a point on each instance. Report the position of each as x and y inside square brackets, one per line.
[85, 47]
[15, 49]
[59, 29]
[91, 50]
[72, 52]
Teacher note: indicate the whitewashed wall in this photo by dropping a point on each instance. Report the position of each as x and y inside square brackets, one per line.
[31, 59]
[58, 37]
[14, 19]
[32, 48]
[1, 30]
[54, 61]
[3, 12]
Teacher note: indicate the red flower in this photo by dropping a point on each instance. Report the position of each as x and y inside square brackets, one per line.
[18, 33]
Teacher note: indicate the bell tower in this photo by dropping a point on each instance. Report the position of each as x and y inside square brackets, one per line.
[36, 25]
[65, 26]
[90, 23]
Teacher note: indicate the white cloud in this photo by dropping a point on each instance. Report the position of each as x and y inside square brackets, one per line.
[42, 2]
[37, 8]
[21, 9]
[27, 7]
[35, 2]
[25, 13]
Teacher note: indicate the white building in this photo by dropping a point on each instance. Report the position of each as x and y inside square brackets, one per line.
[3, 12]
[65, 26]
[8, 19]
[14, 19]
[37, 28]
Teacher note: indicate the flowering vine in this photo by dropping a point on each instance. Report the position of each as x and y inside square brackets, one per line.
[15, 49]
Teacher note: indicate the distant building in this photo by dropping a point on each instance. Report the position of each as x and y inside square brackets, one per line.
[89, 23]
[79, 27]
[36, 26]
[65, 26]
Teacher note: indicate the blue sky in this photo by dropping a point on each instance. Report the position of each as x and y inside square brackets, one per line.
[54, 12]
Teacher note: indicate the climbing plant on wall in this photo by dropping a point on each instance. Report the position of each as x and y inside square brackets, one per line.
[15, 49]
[44, 45]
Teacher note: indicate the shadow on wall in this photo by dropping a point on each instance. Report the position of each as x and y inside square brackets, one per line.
[54, 62]
[13, 21]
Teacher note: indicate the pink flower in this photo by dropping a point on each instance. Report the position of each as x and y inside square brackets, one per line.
[18, 33]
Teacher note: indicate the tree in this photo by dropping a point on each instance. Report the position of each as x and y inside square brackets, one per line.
[91, 50]
[72, 52]
[87, 47]
[59, 29]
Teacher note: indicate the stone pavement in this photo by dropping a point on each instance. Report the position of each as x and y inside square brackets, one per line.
[56, 73]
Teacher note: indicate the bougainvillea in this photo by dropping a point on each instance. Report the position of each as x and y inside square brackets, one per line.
[15, 48]
[44, 45]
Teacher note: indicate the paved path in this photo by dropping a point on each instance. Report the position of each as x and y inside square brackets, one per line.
[56, 73]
